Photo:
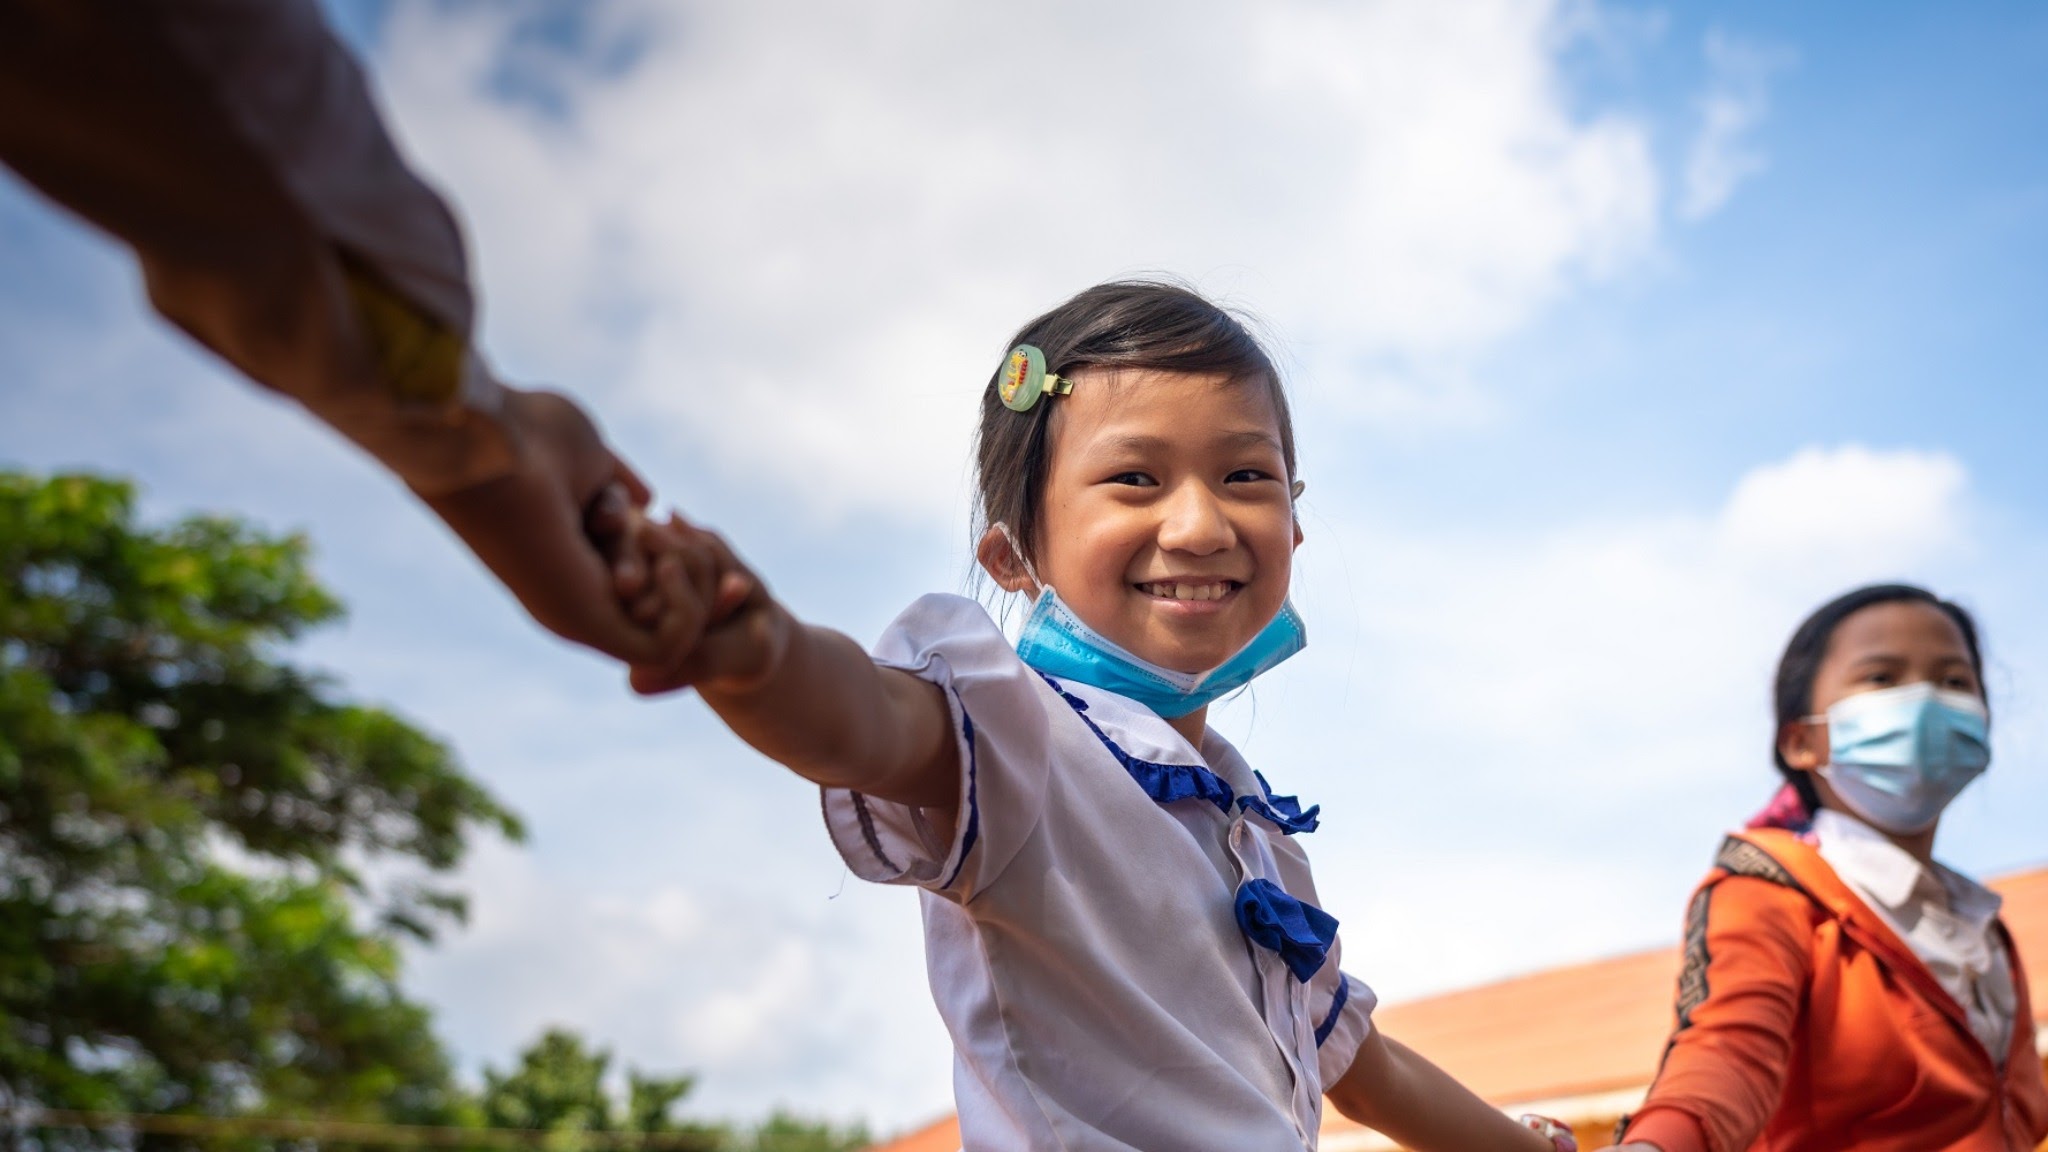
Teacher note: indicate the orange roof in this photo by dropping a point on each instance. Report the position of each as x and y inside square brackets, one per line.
[1564, 1032]
[1579, 1030]
[938, 1136]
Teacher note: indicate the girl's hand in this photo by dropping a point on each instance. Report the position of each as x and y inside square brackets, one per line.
[808, 697]
[720, 629]
[1559, 1134]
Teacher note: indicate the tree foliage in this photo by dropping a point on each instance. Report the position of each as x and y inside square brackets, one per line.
[787, 1132]
[559, 1086]
[184, 813]
[185, 820]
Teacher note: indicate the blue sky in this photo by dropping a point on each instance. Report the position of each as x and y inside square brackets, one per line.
[1620, 337]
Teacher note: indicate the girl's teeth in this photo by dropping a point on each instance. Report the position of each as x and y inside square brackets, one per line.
[1188, 591]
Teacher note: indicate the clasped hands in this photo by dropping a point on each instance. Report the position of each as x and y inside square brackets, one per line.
[713, 623]
[566, 532]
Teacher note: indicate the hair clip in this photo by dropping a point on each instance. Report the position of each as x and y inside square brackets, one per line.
[1024, 379]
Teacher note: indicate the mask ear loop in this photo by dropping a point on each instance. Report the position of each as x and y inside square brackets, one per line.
[1827, 731]
[1037, 584]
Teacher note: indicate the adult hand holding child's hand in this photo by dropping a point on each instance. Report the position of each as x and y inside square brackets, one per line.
[559, 530]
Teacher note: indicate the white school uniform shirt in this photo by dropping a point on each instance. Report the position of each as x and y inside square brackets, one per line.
[1081, 932]
[1945, 917]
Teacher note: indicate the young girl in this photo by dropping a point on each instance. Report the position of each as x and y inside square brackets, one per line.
[1121, 929]
[1842, 989]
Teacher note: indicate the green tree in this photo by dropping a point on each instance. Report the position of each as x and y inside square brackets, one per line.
[559, 1086]
[184, 814]
[784, 1132]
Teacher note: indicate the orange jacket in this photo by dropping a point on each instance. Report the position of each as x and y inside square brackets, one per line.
[1805, 1024]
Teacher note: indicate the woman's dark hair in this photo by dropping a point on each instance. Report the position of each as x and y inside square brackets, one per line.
[1159, 325]
[1793, 695]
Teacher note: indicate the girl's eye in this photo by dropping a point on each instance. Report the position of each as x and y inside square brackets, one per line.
[1134, 479]
[1247, 476]
[1878, 678]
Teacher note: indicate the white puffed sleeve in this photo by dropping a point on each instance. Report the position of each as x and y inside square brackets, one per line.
[1000, 721]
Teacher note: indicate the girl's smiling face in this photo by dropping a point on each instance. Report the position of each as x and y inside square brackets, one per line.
[1168, 523]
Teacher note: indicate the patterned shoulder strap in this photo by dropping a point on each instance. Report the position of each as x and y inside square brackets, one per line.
[1738, 857]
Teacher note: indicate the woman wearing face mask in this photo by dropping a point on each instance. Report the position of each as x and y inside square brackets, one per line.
[1841, 989]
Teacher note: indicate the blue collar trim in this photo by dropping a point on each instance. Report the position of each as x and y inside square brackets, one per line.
[1283, 812]
[1166, 783]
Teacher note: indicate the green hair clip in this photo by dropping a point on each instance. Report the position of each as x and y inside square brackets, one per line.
[1025, 379]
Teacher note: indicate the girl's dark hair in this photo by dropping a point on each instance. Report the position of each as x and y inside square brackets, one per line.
[1793, 695]
[1160, 325]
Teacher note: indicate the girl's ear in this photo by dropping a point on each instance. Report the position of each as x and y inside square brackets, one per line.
[1002, 563]
[1804, 744]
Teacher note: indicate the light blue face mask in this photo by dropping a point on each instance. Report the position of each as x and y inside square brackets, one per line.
[1057, 643]
[1897, 756]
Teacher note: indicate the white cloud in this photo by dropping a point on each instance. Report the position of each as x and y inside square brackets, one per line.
[1605, 636]
[801, 232]
[1735, 103]
[1848, 509]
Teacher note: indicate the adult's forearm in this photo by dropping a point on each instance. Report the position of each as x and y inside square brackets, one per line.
[234, 147]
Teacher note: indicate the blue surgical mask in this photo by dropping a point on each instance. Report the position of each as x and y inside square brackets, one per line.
[1897, 756]
[1057, 643]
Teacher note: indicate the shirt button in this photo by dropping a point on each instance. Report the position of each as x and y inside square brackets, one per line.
[1237, 835]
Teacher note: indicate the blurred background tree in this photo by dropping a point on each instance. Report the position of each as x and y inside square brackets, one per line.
[559, 1086]
[786, 1132]
[186, 817]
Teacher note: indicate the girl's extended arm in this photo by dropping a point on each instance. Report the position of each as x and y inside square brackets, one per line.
[806, 696]
[830, 713]
[1396, 1092]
